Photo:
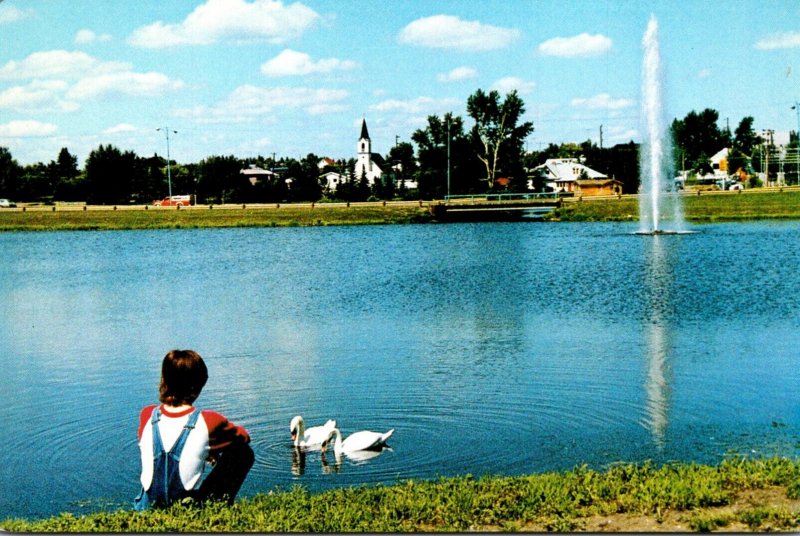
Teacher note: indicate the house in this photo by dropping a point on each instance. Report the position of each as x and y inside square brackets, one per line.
[590, 187]
[562, 174]
[255, 174]
[332, 179]
[326, 162]
[368, 164]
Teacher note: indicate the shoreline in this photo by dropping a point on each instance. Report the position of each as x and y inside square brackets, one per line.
[698, 207]
[736, 495]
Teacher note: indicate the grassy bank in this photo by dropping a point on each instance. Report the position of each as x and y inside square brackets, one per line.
[108, 218]
[707, 207]
[736, 495]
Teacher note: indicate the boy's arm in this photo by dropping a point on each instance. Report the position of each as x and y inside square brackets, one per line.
[144, 417]
[222, 432]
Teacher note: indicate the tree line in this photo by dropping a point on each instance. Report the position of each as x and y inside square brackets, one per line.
[446, 157]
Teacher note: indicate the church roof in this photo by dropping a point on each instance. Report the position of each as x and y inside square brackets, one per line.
[364, 133]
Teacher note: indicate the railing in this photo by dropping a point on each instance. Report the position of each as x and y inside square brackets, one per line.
[509, 197]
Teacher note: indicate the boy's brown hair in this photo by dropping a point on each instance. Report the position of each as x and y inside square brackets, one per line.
[183, 376]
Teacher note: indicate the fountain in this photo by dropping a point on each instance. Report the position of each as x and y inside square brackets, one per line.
[654, 200]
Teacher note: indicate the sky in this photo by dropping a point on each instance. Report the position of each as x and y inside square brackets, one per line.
[261, 77]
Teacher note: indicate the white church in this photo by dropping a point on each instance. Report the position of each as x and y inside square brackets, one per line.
[368, 163]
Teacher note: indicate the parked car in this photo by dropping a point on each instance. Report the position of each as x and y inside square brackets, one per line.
[5, 203]
[174, 201]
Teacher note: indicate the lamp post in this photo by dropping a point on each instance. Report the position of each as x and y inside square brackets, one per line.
[796, 108]
[169, 175]
[448, 159]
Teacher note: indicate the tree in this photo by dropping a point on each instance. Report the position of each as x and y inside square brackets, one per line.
[432, 143]
[64, 175]
[696, 138]
[219, 180]
[111, 175]
[10, 172]
[498, 137]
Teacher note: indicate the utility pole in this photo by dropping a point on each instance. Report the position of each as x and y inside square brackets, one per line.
[448, 159]
[169, 174]
[796, 108]
[601, 137]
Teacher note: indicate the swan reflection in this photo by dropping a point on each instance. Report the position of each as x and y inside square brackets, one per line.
[356, 457]
[331, 461]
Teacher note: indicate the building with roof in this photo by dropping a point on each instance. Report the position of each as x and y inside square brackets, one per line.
[563, 174]
[368, 164]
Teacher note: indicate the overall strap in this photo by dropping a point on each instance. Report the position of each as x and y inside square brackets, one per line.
[177, 448]
[158, 446]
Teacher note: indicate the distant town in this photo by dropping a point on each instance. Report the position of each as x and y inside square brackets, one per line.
[445, 158]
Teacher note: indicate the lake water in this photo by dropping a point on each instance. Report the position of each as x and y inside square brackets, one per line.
[503, 348]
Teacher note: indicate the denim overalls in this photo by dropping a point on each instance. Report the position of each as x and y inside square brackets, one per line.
[166, 486]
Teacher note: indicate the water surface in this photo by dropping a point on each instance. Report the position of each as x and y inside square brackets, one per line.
[502, 348]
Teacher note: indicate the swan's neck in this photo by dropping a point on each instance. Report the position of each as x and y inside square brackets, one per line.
[301, 433]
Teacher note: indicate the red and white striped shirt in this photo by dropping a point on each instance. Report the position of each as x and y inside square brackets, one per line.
[212, 434]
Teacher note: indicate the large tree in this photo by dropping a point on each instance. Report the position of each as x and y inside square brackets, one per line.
[432, 148]
[111, 175]
[696, 139]
[10, 172]
[498, 134]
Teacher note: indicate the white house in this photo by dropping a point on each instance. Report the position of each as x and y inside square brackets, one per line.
[332, 180]
[368, 163]
[562, 174]
[255, 174]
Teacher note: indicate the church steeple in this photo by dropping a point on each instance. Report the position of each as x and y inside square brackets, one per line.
[364, 133]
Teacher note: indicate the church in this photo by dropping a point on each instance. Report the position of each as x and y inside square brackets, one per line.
[368, 164]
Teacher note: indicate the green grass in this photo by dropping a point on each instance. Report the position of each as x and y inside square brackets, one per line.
[203, 217]
[550, 501]
[707, 207]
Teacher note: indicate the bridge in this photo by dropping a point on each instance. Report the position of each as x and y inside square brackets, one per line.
[496, 207]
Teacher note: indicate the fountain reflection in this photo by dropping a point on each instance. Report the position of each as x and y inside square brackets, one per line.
[658, 282]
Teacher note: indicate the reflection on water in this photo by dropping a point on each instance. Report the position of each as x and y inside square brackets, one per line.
[505, 348]
[659, 277]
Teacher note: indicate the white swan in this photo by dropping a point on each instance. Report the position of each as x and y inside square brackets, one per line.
[358, 441]
[310, 437]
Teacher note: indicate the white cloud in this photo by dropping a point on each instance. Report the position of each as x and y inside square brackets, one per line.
[293, 63]
[13, 14]
[458, 74]
[128, 83]
[511, 83]
[59, 64]
[122, 128]
[248, 103]
[85, 37]
[779, 40]
[230, 20]
[602, 101]
[704, 73]
[26, 129]
[583, 45]
[60, 78]
[40, 96]
[447, 31]
[419, 105]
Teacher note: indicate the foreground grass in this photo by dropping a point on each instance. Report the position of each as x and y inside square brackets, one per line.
[707, 207]
[45, 219]
[702, 496]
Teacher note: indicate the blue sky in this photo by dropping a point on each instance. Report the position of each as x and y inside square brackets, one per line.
[256, 77]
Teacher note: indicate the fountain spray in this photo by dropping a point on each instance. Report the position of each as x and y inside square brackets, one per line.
[656, 153]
